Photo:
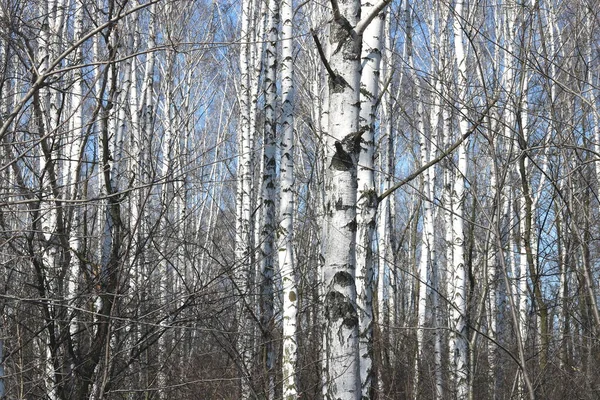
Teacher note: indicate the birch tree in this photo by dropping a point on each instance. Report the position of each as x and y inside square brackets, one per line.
[286, 255]
[367, 198]
[268, 197]
[458, 346]
[341, 347]
[423, 269]
[244, 246]
[340, 298]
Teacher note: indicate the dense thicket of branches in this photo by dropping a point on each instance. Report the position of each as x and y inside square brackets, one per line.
[268, 198]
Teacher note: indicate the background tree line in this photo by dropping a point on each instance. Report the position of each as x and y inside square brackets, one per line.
[285, 199]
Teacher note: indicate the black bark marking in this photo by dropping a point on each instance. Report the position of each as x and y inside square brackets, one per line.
[343, 279]
[341, 160]
[338, 307]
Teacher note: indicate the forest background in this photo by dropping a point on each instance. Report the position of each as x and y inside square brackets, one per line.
[267, 199]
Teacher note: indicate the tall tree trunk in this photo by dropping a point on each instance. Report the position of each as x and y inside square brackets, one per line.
[427, 239]
[341, 347]
[459, 345]
[341, 354]
[367, 196]
[243, 247]
[267, 243]
[286, 209]
[439, 30]
[386, 253]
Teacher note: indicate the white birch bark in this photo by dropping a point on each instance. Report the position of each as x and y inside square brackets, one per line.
[286, 208]
[525, 211]
[522, 284]
[458, 279]
[425, 259]
[320, 114]
[492, 278]
[384, 223]
[75, 143]
[244, 201]
[164, 279]
[497, 205]
[135, 221]
[367, 196]
[258, 57]
[447, 204]
[267, 243]
[134, 103]
[47, 122]
[341, 352]
[147, 107]
[439, 35]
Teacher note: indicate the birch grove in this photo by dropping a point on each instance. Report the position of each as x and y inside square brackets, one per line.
[286, 199]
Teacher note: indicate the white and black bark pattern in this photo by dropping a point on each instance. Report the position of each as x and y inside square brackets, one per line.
[244, 274]
[135, 200]
[341, 355]
[75, 144]
[165, 273]
[286, 208]
[367, 197]
[459, 345]
[267, 244]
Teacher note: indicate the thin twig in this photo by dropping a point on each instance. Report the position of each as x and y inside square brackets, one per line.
[441, 156]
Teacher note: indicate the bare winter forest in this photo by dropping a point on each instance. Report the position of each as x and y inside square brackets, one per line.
[299, 199]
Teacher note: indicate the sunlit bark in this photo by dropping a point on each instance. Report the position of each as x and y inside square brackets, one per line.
[341, 354]
[286, 254]
[367, 196]
[457, 275]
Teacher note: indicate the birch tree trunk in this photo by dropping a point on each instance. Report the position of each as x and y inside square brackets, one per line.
[439, 32]
[367, 196]
[243, 246]
[459, 345]
[427, 234]
[341, 347]
[385, 261]
[74, 161]
[286, 208]
[268, 199]
[47, 102]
